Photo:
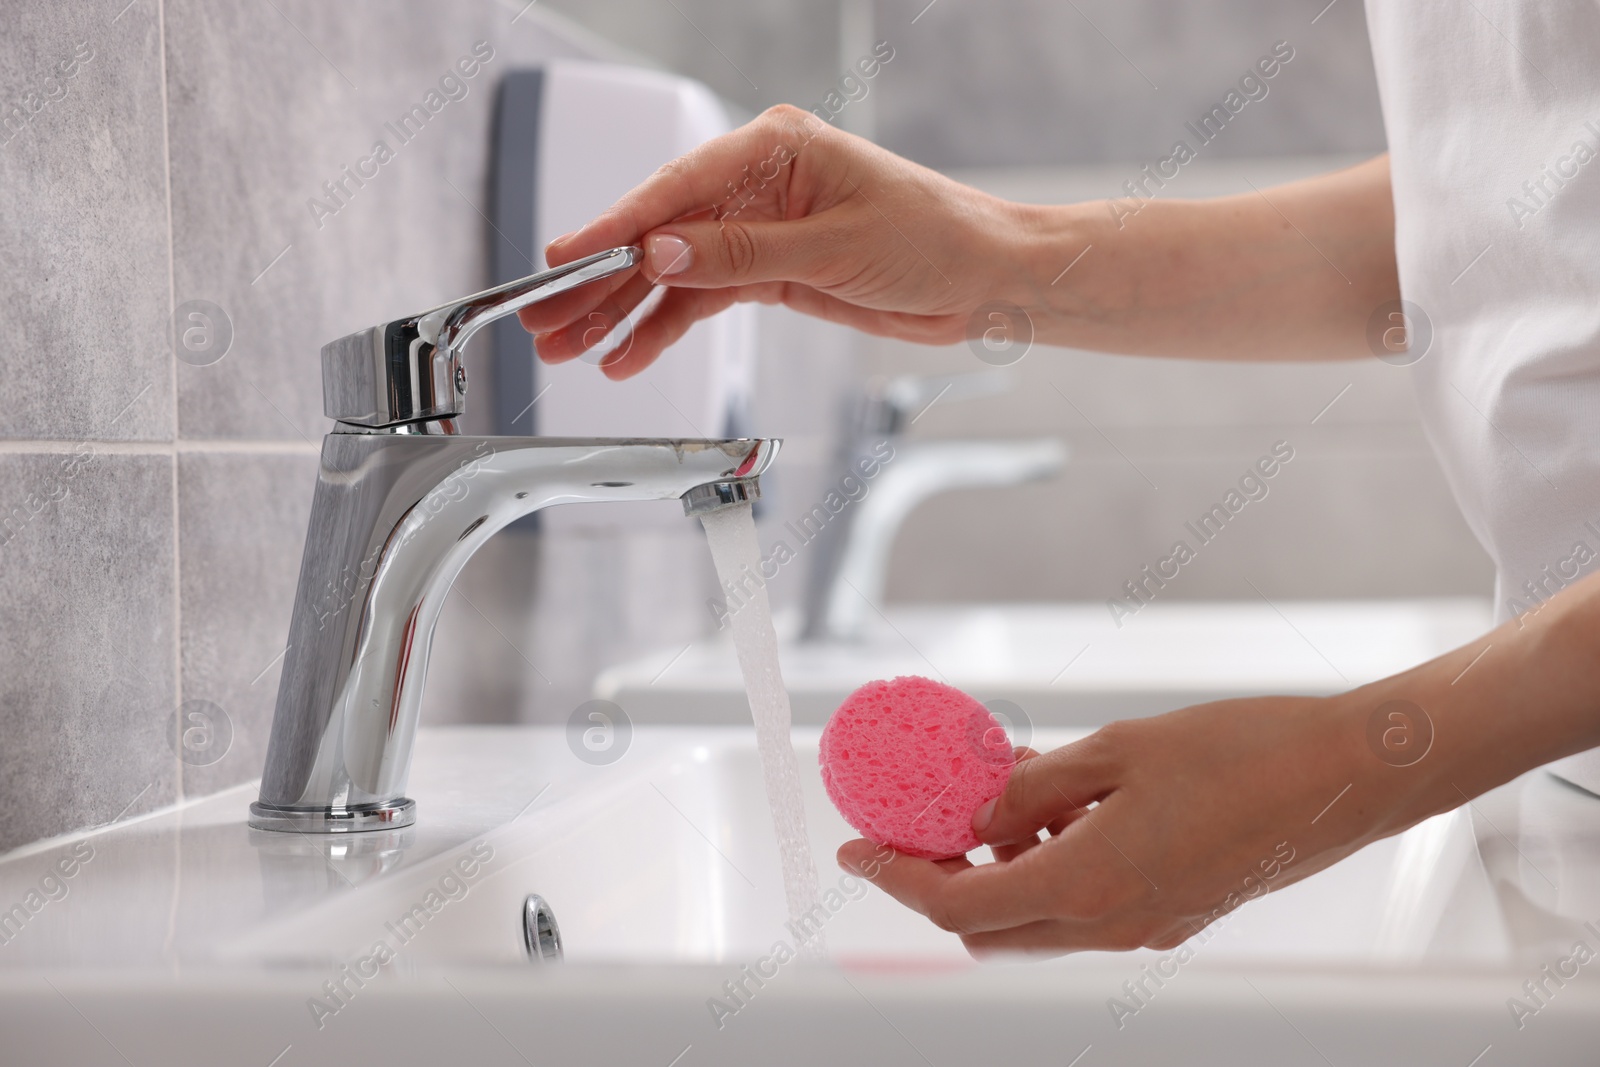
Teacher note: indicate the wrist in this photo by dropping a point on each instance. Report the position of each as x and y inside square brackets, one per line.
[1039, 249]
[1521, 696]
[1387, 743]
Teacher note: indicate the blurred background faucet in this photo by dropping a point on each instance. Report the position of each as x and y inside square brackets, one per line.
[402, 502]
[850, 571]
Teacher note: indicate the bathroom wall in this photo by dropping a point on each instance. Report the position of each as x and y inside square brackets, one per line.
[1021, 82]
[160, 153]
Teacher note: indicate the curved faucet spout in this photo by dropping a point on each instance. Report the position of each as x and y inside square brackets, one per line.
[394, 519]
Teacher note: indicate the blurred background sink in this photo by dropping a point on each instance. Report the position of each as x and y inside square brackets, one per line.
[1069, 664]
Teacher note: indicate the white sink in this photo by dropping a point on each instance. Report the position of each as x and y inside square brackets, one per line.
[190, 939]
[1071, 664]
[672, 858]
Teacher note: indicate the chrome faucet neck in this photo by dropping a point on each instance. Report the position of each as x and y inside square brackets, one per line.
[394, 519]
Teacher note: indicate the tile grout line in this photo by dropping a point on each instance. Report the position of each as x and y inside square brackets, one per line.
[219, 446]
[172, 379]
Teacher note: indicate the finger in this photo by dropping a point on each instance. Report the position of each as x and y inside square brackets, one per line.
[864, 858]
[1055, 787]
[679, 310]
[557, 311]
[1177, 932]
[1007, 853]
[1047, 937]
[990, 896]
[676, 314]
[1057, 937]
[571, 339]
[711, 255]
[920, 329]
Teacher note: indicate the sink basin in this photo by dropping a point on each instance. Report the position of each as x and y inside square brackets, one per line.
[188, 938]
[672, 859]
[1071, 664]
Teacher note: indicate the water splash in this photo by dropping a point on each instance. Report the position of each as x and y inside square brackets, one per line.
[731, 532]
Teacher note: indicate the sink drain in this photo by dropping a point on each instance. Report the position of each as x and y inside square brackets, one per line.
[540, 934]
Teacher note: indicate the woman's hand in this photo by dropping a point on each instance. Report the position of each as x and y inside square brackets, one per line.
[1160, 826]
[787, 210]
[1157, 827]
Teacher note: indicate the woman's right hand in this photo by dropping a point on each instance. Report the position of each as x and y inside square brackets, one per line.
[789, 210]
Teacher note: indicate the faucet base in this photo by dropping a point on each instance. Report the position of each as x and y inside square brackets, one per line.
[390, 816]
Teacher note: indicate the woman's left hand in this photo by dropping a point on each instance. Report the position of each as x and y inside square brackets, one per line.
[1158, 827]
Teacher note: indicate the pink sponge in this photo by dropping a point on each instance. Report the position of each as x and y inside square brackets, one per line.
[907, 762]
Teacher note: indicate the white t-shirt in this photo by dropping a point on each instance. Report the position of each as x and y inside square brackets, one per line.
[1493, 117]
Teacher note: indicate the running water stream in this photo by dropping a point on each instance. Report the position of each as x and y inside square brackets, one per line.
[731, 532]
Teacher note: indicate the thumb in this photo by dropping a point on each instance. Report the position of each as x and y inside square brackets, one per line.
[1054, 787]
[711, 255]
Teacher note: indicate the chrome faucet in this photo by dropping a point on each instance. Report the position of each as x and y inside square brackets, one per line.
[403, 500]
[848, 579]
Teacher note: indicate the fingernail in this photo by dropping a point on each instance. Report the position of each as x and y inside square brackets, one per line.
[983, 816]
[669, 254]
[555, 241]
[849, 868]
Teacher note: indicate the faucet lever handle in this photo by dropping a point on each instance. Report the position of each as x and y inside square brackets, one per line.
[410, 369]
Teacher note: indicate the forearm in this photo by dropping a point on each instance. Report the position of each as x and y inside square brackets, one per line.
[1525, 694]
[1293, 272]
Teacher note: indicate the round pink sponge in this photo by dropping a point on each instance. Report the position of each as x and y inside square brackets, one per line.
[907, 762]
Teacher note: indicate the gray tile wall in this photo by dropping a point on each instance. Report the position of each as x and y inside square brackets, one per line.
[88, 582]
[88, 620]
[1043, 82]
[1016, 82]
[84, 224]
